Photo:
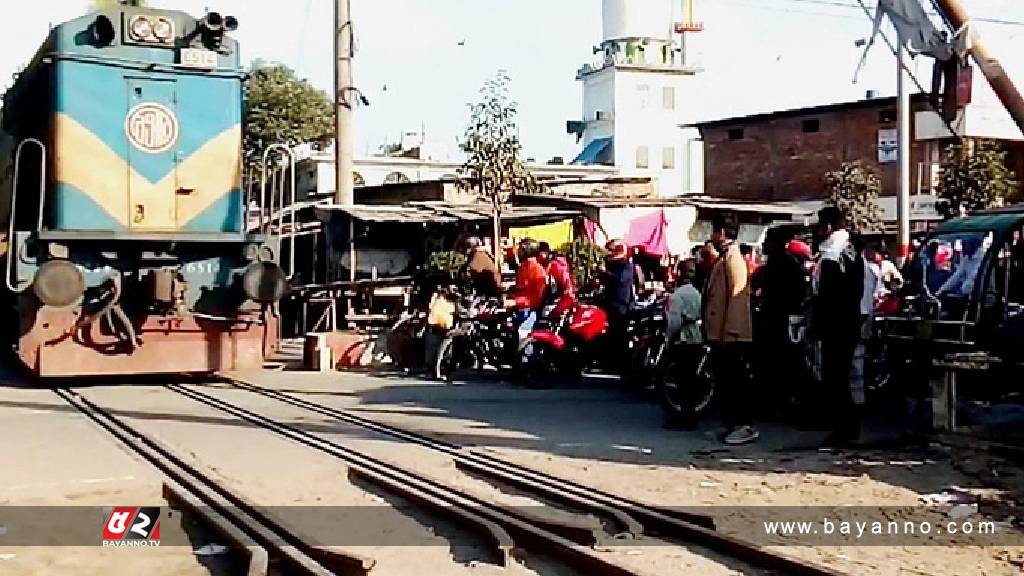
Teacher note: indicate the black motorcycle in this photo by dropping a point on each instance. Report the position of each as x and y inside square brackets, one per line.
[484, 336]
[646, 340]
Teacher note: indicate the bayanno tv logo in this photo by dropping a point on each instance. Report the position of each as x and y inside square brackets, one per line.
[131, 526]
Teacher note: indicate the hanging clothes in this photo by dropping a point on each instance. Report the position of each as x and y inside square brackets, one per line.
[649, 233]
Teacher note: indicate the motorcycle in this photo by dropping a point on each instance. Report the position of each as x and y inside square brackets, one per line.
[564, 347]
[485, 335]
[645, 333]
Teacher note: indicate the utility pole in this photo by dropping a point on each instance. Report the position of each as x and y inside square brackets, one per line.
[903, 112]
[1001, 83]
[344, 103]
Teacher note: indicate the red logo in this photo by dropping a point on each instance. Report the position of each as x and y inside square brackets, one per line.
[131, 526]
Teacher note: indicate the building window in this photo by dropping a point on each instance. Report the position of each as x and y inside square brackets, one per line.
[641, 157]
[887, 117]
[736, 134]
[668, 158]
[668, 97]
[808, 126]
[644, 95]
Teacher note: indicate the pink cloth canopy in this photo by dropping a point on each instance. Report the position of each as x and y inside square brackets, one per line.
[649, 233]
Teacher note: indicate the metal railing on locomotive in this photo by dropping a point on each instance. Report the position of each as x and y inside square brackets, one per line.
[12, 247]
[282, 188]
[279, 188]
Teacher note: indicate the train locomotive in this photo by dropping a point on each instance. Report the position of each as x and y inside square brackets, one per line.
[128, 247]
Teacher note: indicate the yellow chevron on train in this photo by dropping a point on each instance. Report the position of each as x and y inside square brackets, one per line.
[88, 164]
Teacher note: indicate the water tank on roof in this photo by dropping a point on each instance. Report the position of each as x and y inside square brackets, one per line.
[637, 19]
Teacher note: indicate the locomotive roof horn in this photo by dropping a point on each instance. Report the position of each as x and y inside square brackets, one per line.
[213, 26]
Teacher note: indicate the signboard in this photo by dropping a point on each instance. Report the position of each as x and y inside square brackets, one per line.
[198, 58]
[888, 145]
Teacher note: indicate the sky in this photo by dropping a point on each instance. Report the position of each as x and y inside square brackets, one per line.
[758, 56]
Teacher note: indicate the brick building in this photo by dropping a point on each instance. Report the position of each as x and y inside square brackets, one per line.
[785, 155]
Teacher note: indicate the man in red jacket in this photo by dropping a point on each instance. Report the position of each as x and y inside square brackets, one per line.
[531, 286]
[561, 291]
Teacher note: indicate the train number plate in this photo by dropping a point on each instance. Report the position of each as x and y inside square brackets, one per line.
[198, 58]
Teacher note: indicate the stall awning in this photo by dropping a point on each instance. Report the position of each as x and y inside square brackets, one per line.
[593, 151]
[446, 213]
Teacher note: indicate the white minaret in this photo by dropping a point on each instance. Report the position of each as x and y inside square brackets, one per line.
[639, 91]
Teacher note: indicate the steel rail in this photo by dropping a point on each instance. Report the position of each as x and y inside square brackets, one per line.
[637, 518]
[259, 560]
[525, 532]
[226, 509]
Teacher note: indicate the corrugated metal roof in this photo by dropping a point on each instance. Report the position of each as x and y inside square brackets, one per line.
[377, 213]
[447, 213]
[706, 202]
[758, 207]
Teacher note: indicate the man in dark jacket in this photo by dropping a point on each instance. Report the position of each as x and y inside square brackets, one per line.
[781, 288]
[617, 280]
[836, 319]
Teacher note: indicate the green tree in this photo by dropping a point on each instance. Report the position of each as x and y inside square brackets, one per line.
[95, 5]
[854, 189]
[974, 177]
[493, 166]
[585, 257]
[283, 109]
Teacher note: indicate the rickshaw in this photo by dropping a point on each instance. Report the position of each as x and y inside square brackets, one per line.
[964, 292]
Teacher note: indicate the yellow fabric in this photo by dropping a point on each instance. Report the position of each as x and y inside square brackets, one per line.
[555, 234]
[442, 313]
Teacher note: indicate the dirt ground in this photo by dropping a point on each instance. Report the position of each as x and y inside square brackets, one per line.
[602, 436]
[595, 434]
[53, 459]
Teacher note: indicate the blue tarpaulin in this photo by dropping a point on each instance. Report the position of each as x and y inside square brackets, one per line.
[593, 151]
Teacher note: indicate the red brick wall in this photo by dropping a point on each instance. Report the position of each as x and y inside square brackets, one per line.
[777, 160]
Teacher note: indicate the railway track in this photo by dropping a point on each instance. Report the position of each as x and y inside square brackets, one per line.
[265, 542]
[631, 518]
[511, 531]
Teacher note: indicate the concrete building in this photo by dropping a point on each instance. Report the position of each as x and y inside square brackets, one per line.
[637, 94]
[315, 172]
[784, 155]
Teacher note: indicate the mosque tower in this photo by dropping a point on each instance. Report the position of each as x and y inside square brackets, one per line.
[639, 91]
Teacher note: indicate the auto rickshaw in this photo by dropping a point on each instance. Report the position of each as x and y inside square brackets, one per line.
[964, 291]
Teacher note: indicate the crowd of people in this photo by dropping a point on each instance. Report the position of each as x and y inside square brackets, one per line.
[761, 318]
[749, 311]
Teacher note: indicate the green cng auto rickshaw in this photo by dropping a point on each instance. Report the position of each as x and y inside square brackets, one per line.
[964, 292]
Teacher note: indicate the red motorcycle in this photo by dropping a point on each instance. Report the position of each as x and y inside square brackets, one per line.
[563, 347]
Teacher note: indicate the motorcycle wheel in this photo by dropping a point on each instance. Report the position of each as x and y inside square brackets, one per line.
[643, 373]
[535, 365]
[451, 357]
[686, 392]
[405, 344]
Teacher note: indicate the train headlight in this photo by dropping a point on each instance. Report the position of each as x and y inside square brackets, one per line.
[58, 283]
[141, 28]
[264, 282]
[163, 29]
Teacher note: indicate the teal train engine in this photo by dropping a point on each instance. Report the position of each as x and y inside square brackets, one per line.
[127, 239]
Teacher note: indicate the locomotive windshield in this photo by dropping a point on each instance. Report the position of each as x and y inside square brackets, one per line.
[948, 265]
